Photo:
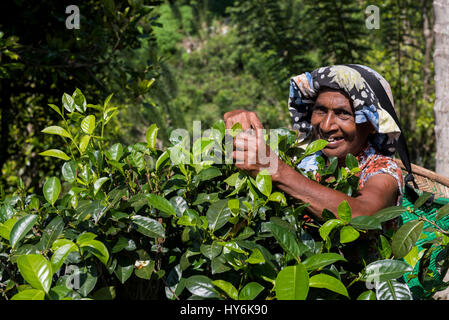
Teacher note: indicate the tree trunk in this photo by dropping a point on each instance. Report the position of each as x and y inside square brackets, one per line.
[441, 64]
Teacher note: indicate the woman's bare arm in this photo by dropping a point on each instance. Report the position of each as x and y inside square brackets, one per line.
[380, 191]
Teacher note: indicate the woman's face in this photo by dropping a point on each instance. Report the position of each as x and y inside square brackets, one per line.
[333, 120]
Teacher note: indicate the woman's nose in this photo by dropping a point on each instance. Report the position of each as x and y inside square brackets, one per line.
[328, 123]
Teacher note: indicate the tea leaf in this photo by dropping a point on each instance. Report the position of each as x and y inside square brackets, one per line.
[88, 124]
[383, 270]
[52, 188]
[21, 228]
[292, 283]
[344, 212]
[151, 136]
[348, 234]
[328, 282]
[218, 214]
[29, 294]
[36, 270]
[422, 199]
[161, 203]
[405, 238]
[55, 153]
[321, 260]
[201, 286]
[393, 290]
[148, 226]
[263, 182]
[58, 131]
[227, 287]
[250, 291]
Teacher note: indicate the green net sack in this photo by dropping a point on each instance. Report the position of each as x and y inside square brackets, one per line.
[436, 257]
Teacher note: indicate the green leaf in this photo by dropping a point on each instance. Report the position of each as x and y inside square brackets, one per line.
[232, 179]
[413, 256]
[348, 234]
[84, 143]
[405, 238]
[286, 240]
[148, 226]
[97, 248]
[422, 199]
[88, 124]
[5, 228]
[58, 131]
[315, 146]
[389, 213]
[124, 269]
[21, 228]
[278, 197]
[115, 152]
[201, 286]
[328, 226]
[321, 260]
[51, 232]
[52, 188]
[263, 182]
[211, 250]
[292, 283]
[108, 99]
[393, 290]
[208, 174]
[56, 108]
[256, 257]
[367, 295]
[366, 223]
[385, 248]
[250, 291]
[60, 255]
[351, 161]
[161, 204]
[218, 214]
[55, 153]
[145, 269]
[151, 136]
[235, 129]
[227, 287]
[383, 270]
[442, 212]
[79, 100]
[234, 206]
[67, 102]
[162, 160]
[69, 171]
[36, 270]
[326, 281]
[29, 294]
[105, 293]
[344, 212]
[98, 183]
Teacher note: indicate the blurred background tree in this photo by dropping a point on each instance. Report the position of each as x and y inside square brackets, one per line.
[207, 57]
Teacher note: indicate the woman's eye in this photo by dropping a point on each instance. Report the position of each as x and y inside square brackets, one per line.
[319, 110]
[344, 115]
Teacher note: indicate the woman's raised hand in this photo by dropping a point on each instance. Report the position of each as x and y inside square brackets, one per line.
[247, 119]
[251, 153]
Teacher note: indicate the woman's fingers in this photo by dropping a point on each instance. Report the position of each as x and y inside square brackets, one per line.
[247, 119]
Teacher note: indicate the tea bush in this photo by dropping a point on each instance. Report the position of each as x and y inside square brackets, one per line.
[133, 222]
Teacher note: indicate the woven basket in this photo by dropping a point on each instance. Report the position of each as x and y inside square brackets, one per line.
[428, 180]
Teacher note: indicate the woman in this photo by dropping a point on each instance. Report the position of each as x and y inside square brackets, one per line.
[334, 103]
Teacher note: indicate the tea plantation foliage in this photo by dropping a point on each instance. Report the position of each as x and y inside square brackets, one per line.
[129, 222]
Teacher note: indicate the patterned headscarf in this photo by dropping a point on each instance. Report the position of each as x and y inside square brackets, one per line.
[305, 88]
